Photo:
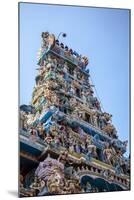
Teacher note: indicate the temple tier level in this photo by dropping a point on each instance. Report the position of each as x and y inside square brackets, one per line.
[67, 143]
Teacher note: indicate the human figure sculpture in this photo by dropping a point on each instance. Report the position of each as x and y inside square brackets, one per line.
[95, 119]
[84, 98]
[23, 119]
[64, 158]
[73, 102]
[48, 40]
[44, 38]
[30, 118]
[72, 90]
[92, 150]
[41, 131]
[125, 143]
[35, 185]
[108, 154]
[33, 134]
[107, 117]
[110, 130]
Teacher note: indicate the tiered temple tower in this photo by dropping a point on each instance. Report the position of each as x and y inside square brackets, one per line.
[67, 143]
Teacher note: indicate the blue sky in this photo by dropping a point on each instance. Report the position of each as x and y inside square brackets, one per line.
[100, 34]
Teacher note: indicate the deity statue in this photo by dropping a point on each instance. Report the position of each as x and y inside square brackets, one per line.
[107, 117]
[95, 119]
[108, 154]
[110, 130]
[48, 40]
[35, 185]
[23, 119]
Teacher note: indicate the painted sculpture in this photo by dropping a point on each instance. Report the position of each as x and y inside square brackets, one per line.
[67, 143]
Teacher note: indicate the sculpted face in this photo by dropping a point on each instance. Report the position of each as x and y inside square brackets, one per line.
[48, 39]
[45, 34]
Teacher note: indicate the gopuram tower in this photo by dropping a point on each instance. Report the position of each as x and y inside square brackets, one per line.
[67, 143]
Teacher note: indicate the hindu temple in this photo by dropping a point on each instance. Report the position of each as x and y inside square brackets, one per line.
[68, 144]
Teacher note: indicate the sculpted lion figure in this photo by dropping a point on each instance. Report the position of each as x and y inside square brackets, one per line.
[51, 172]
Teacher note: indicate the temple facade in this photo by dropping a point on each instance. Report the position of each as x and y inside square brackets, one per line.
[68, 144]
